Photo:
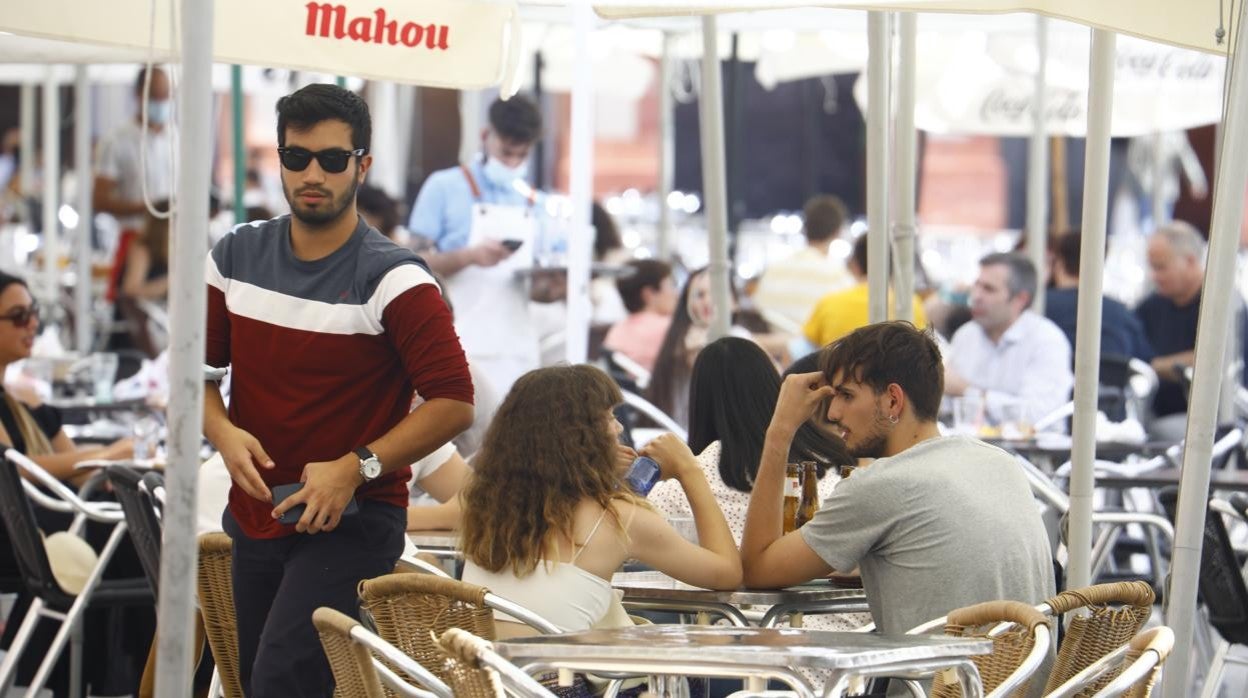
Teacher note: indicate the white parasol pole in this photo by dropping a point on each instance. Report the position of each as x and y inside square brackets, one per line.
[581, 174]
[1088, 322]
[51, 188]
[1038, 164]
[1216, 307]
[879, 54]
[82, 158]
[187, 312]
[711, 113]
[906, 141]
[667, 147]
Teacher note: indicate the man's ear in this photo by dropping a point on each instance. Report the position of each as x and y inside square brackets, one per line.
[896, 397]
[365, 163]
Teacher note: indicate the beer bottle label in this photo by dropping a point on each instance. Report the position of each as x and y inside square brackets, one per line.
[792, 487]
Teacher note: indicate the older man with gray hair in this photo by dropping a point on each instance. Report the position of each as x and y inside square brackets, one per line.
[1176, 263]
[1009, 354]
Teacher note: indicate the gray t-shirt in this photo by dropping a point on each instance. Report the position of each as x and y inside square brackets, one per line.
[947, 523]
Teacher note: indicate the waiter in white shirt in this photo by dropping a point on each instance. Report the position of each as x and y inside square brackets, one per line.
[1009, 354]
[131, 154]
[482, 218]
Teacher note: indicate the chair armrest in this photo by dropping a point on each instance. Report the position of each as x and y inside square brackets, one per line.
[92, 511]
[522, 614]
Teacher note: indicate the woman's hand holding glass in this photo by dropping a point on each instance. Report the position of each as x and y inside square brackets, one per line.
[672, 455]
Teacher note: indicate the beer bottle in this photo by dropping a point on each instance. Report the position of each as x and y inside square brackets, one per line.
[810, 493]
[792, 495]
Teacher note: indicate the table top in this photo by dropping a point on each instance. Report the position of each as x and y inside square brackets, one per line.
[88, 403]
[1105, 450]
[656, 585]
[759, 646]
[434, 539]
[1231, 480]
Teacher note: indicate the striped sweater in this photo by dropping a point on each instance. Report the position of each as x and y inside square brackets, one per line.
[325, 355]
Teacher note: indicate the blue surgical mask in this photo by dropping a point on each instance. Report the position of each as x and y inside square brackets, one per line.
[158, 111]
[501, 175]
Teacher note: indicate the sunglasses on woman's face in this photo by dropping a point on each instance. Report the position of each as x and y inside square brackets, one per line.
[22, 315]
[332, 160]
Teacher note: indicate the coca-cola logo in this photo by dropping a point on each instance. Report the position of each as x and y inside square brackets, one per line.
[1003, 106]
[331, 21]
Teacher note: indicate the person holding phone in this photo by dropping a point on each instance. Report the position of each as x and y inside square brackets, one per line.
[329, 329]
[482, 218]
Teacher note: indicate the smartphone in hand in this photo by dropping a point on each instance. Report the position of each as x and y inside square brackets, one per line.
[512, 244]
[291, 516]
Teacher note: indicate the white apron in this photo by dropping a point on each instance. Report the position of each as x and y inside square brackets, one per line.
[492, 303]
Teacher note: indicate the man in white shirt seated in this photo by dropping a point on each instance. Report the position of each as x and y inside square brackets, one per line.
[1009, 354]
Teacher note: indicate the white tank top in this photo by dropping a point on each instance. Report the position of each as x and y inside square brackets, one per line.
[562, 593]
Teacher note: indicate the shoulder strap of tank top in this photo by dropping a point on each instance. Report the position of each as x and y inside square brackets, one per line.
[590, 537]
[472, 182]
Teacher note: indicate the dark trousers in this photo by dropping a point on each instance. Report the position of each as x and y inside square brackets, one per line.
[279, 582]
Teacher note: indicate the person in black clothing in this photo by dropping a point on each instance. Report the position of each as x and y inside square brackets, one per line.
[1176, 262]
[1121, 331]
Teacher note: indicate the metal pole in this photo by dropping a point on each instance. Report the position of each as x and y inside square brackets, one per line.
[469, 124]
[187, 310]
[906, 141]
[714, 185]
[1088, 321]
[51, 188]
[878, 58]
[238, 137]
[1216, 307]
[1038, 165]
[26, 169]
[539, 148]
[387, 172]
[1159, 173]
[667, 148]
[82, 257]
[581, 172]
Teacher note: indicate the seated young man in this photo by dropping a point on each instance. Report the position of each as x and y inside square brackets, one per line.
[934, 524]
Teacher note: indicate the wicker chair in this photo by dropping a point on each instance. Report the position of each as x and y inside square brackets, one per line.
[1103, 629]
[476, 671]
[216, 603]
[1017, 651]
[1136, 664]
[362, 662]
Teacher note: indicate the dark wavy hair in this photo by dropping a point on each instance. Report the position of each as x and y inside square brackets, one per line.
[671, 366]
[732, 397]
[547, 449]
[890, 352]
[308, 106]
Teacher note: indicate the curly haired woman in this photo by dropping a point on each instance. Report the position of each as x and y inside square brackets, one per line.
[547, 519]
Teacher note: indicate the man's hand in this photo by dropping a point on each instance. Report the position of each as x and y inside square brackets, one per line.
[800, 394]
[328, 487]
[672, 455]
[242, 452]
[488, 253]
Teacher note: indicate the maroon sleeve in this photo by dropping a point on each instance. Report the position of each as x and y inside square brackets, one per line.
[217, 342]
[419, 327]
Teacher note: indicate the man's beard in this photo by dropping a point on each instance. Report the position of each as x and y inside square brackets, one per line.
[873, 445]
[320, 217]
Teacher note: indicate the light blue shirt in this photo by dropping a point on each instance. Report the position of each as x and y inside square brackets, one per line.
[443, 208]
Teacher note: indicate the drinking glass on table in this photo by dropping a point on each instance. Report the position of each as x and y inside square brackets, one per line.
[103, 375]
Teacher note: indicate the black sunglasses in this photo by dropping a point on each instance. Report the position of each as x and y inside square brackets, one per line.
[21, 317]
[332, 160]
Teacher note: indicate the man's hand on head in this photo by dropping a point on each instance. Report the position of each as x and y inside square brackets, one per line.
[799, 395]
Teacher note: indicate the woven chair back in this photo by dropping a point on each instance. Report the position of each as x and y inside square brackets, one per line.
[216, 603]
[411, 611]
[1009, 648]
[1110, 615]
[351, 662]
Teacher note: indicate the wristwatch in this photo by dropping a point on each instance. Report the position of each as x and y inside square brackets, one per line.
[370, 465]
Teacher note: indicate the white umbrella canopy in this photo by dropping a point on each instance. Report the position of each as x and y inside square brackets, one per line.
[1193, 26]
[470, 44]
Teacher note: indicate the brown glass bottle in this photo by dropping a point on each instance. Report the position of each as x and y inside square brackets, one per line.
[792, 495]
[810, 493]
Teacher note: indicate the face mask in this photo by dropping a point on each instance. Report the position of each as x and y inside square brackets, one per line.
[502, 175]
[158, 111]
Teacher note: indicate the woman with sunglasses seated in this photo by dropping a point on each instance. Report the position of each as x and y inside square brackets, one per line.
[35, 431]
[547, 518]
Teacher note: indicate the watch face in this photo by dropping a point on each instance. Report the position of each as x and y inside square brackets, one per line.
[371, 468]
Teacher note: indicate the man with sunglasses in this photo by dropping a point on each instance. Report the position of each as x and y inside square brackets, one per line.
[482, 218]
[329, 329]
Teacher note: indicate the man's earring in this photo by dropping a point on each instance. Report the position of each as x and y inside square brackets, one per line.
[893, 419]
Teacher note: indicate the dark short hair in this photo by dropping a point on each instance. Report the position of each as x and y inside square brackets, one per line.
[885, 353]
[7, 280]
[516, 120]
[305, 108]
[1066, 249]
[142, 77]
[860, 253]
[647, 273]
[822, 217]
[377, 203]
[1022, 273]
